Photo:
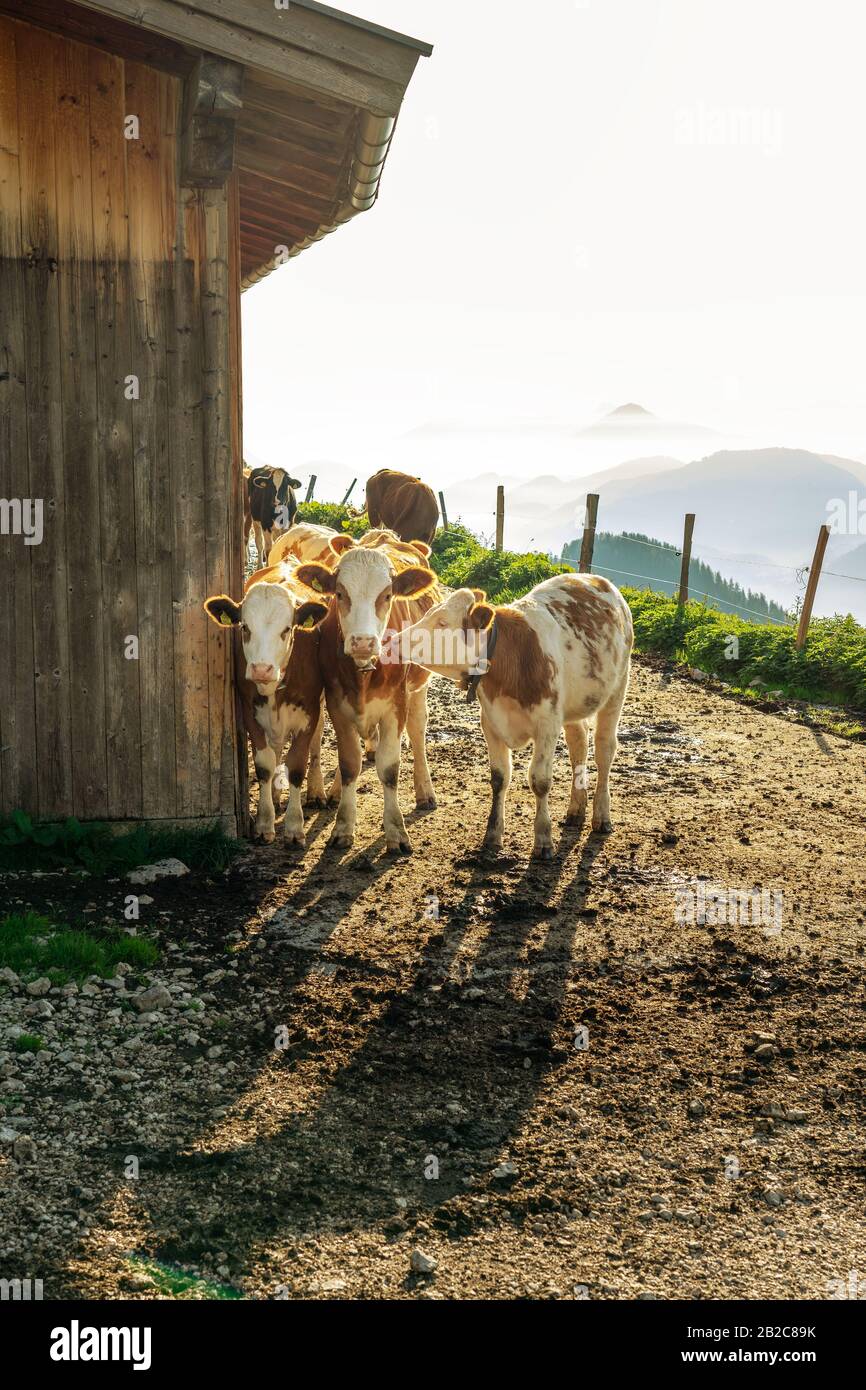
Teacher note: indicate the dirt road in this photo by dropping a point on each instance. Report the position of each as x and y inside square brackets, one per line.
[534, 1075]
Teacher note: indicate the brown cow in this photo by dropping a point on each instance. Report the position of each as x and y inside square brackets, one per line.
[281, 689]
[402, 503]
[374, 592]
[557, 658]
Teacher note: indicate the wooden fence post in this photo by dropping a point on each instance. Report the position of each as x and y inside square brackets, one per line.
[443, 511]
[349, 492]
[687, 556]
[588, 543]
[812, 585]
[310, 488]
[500, 516]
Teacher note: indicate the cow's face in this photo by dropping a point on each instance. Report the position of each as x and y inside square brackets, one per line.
[451, 637]
[268, 618]
[363, 585]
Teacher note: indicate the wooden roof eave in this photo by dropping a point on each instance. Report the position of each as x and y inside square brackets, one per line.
[372, 141]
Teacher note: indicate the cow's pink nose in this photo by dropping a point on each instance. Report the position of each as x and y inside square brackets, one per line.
[262, 673]
[364, 646]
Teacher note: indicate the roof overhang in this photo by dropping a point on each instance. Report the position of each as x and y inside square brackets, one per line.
[303, 99]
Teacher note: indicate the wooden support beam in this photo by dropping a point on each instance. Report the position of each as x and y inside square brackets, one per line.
[687, 557]
[500, 517]
[348, 492]
[812, 586]
[443, 511]
[311, 487]
[213, 101]
[587, 545]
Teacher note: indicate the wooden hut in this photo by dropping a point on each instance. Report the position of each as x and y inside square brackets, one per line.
[156, 157]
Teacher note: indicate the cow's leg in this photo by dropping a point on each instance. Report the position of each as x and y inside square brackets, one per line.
[315, 781]
[578, 740]
[388, 767]
[370, 746]
[540, 777]
[416, 727]
[260, 542]
[296, 765]
[349, 753]
[266, 762]
[500, 780]
[606, 725]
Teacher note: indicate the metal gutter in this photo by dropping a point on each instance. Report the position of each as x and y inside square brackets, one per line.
[372, 141]
[418, 44]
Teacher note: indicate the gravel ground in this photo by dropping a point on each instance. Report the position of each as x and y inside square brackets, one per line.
[442, 1077]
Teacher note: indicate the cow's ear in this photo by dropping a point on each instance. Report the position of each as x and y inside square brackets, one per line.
[310, 614]
[422, 547]
[223, 610]
[340, 544]
[480, 616]
[294, 482]
[412, 582]
[480, 595]
[317, 577]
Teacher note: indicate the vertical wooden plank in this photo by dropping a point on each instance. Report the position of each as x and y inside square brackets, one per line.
[38, 58]
[150, 251]
[188, 512]
[17, 700]
[500, 517]
[70, 103]
[222, 525]
[236, 559]
[114, 435]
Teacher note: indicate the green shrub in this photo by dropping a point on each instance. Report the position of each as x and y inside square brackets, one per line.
[462, 562]
[71, 844]
[332, 514]
[831, 665]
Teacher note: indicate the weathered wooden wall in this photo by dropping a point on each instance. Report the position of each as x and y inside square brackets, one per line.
[110, 269]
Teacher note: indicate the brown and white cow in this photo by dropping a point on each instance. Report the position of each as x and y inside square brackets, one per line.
[270, 506]
[557, 658]
[306, 541]
[374, 593]
[403, 503]
[281, 688]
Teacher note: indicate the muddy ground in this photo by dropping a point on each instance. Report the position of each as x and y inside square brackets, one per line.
[533, 1075]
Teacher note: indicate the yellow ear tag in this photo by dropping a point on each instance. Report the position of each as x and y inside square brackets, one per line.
[225, 620]
[317, 585]
[309, 622]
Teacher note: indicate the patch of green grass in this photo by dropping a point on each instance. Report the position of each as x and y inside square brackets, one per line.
[28, 1042]
[462, 562]
[830, 668]
[175, 1283]
[333, 515]
[32, 944]
[71, 844]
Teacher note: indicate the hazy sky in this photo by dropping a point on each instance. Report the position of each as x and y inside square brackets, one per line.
[586, 202]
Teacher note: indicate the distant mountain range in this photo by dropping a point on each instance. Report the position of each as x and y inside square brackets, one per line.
[634, 422]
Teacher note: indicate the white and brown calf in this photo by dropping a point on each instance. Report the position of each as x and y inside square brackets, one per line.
[556, 659]
[281, 688]
[373, 593]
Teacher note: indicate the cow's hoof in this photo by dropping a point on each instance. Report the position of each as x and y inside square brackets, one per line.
[295, 841]
[575, 818]
[544, 852]
[426, 803]
[316, 803]
[399, 847]
[341, 842]
[267, 837]
[602, 827]
[491, 848]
